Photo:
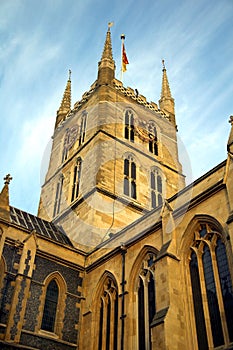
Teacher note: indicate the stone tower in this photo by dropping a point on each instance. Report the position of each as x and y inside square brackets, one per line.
[114, 157]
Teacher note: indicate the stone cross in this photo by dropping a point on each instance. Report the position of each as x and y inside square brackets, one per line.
[7, 179]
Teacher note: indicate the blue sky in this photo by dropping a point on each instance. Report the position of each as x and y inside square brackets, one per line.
[41, 40]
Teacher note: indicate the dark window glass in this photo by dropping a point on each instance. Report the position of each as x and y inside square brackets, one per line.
[101, 325]
[160, 199]
[108, 323]
[133, 170]
[126, 167]
[141, 316]
[215, 319]
[50, 307]
[197, 303]
[153, 200]
[226, 285]
[152, 180]
[133, 189]
[115, 322]
[126, 186]
[159, 184]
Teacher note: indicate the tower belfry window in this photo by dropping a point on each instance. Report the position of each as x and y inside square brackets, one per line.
[76, 180]
[58, 197]
[130, 177]
[129, 126]
[153, 141]
[83, 126]
[213, 296]
[156, 188]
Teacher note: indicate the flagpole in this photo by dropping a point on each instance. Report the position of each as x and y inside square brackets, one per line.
[122, 45]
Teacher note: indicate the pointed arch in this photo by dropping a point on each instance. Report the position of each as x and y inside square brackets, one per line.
[105, 300]
[143, 288]
[129, 121]
[52, 305]
[130, 176]
[205, 250]
[156, 187]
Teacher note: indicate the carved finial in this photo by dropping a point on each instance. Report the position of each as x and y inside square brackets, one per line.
[163, 63]
[70, 74]
[110, 24]
[231, 120]
[7, 179]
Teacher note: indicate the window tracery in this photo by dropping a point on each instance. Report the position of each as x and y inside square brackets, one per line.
[146, 300]
[108, 316]
[212, 291]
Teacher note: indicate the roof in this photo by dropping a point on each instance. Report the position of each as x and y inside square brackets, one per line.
[42, 227]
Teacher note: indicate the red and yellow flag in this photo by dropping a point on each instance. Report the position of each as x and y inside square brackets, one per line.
[124, 59]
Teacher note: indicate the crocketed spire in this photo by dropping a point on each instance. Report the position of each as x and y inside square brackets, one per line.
[4, 199]
[65, 106]
[106, 69]
[166, 101]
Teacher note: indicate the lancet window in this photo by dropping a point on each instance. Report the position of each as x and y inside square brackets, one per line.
[108, 316]
[212, 291]
[153, 141]
[129, 125]
[76, 179]
[58, 196]
[50, 307]
[146, 301]
[83, 126]
[156, 187]
[130, 175]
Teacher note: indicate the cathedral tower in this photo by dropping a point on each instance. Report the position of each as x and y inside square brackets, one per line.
[114, 157]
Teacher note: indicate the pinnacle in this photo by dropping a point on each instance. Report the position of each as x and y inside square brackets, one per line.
[165, 92]
[107, 51]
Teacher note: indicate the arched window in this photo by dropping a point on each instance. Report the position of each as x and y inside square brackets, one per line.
[65, 145]
[57, 203]
[213, 295]
[156, 187]
[129, 126]
[76, 180]
[108, 316]
[130, 177]
[153, 141]
[50, 307]
[83, 126]
[146, 301]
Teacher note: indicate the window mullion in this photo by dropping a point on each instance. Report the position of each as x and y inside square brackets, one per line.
[105, 310]
[204, 298]
[146, 303]
[219, 295]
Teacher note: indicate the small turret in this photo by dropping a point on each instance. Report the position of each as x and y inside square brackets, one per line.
[4, 199]
[65, 106]
[230, 140]
[166, 101]
[106, 66]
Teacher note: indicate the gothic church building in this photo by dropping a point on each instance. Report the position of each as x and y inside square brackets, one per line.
[122, 254]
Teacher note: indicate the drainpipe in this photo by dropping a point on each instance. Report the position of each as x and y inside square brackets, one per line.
[123, 292]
